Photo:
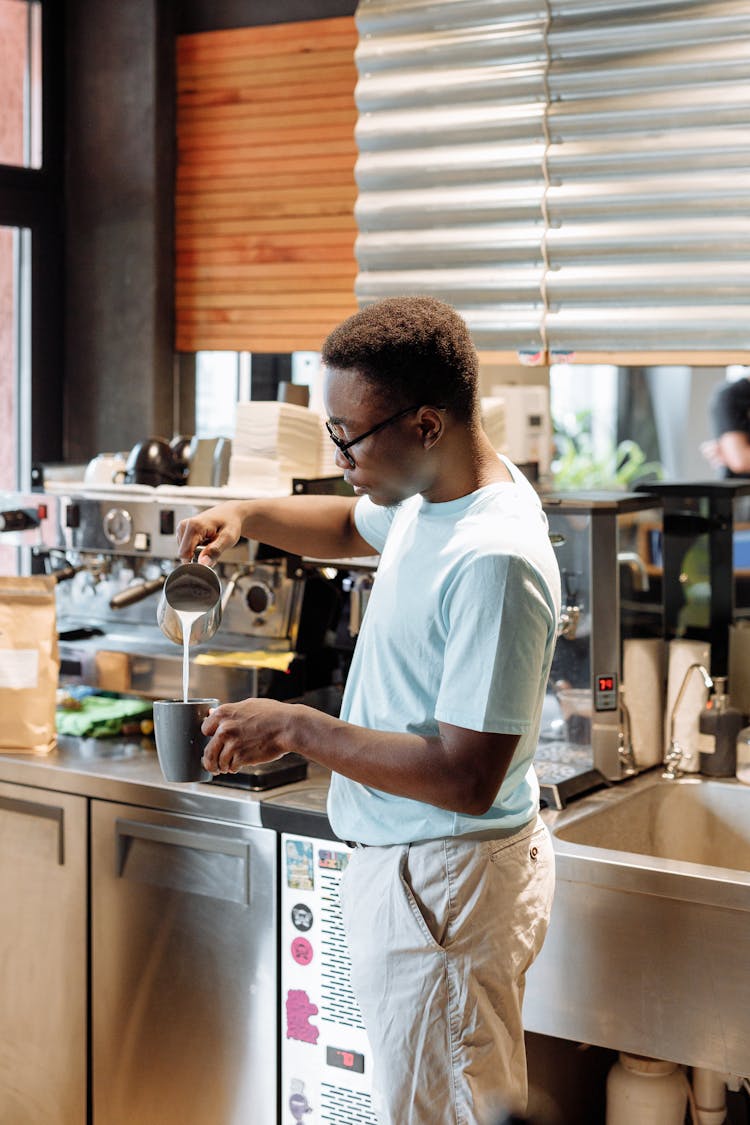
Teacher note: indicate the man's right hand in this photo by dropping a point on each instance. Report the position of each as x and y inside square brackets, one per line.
[213, 531]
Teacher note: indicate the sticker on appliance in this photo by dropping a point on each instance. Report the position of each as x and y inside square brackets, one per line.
[300, 873]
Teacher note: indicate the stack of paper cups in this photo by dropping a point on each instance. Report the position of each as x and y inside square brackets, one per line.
[643, 682]
[681, 654]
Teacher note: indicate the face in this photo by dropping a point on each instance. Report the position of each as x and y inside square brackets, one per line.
[390, 464]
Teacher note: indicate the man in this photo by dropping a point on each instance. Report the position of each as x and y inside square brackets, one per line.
[730, 417]
[447, 899]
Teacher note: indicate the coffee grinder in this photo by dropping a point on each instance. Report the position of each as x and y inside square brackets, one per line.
[610, 595]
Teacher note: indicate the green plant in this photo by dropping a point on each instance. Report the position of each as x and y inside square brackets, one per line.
[576, 466]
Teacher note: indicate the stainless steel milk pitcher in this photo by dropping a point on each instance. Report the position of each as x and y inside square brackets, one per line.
[191, 600]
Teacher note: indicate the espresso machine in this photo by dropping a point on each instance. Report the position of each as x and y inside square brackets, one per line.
[592, 734]
[111, 549]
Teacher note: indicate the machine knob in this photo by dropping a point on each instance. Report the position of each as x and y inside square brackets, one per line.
[118, 526]
[21, 519]
[259, 598]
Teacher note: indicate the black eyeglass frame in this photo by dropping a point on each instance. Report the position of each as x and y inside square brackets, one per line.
[345, 446]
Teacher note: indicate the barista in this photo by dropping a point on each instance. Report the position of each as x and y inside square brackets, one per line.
[447, 894]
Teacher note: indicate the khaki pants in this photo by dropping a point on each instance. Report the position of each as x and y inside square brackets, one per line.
[441, 935]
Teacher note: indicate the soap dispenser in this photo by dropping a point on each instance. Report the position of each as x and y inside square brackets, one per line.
[719, 724]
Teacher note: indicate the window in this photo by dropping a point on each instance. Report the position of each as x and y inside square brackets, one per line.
[15, 246]
[20, 83]
[31, 281]
[222, 379]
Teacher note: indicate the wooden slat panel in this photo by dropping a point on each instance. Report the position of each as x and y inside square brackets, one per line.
[291, 276]
[232, 101]
[292, 77]
[265, 226]
[243, 164]
[263, 297]
[247, 244]
[301, 139]
[246, 204]
[313, 178]
[265, 40]
[204, 119]
[227, 155]
[275, 249]
[308, 65]
[252, 342]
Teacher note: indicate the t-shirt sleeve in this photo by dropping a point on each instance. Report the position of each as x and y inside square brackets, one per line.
[730, 409]
[500, 634]
[373, 522]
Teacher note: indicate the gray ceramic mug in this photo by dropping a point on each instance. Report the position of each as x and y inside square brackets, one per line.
[179, 740]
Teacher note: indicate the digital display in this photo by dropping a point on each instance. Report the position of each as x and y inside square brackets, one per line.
[605, 693]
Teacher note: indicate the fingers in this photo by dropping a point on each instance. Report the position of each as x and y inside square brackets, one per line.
[239, 734]
[219, 757]
[214, 531]
[197, 532]
[190, 533]
[223, 752]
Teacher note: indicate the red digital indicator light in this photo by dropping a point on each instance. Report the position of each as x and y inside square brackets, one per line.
[347, 1060]
[606, 683]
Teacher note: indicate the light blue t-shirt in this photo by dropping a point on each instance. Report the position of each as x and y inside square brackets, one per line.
[460, 627]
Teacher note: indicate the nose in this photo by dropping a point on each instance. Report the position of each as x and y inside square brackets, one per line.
[341, 460]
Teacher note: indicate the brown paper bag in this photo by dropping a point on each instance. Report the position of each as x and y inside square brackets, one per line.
[29, 664]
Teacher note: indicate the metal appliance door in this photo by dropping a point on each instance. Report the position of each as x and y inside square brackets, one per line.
[43, 842]
[184, 969]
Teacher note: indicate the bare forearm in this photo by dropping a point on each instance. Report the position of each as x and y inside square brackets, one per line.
[320, 526]
[422, 768]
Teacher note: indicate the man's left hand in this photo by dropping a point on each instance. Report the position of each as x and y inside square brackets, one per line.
[244, 733]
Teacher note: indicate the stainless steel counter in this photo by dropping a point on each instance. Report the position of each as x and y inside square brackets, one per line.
[128, 771]
[647, 950]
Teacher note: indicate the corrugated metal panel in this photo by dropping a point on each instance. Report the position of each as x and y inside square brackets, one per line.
[451, 100]
[572, 178]
[650, 135]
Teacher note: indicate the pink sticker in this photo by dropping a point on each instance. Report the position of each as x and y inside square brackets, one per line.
[302, 951]
[299, 1008]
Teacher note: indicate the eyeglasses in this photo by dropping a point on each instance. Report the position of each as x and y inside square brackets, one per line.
[345, 446]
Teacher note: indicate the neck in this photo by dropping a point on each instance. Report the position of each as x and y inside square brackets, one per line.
[468, 462]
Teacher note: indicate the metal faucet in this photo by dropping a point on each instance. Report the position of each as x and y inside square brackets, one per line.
[673, 758]
[567, 625]
[624, 739]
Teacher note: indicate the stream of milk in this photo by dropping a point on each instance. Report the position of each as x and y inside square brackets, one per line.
[187, 617]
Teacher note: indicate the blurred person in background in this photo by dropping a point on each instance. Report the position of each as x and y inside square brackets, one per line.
[729, 449]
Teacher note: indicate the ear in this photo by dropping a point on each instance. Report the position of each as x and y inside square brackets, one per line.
[431, 424]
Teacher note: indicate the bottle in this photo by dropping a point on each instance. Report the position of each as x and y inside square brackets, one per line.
[743, 755]
[719, 724]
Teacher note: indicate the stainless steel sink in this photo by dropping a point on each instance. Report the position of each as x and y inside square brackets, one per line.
[649, 945]
[690, 820]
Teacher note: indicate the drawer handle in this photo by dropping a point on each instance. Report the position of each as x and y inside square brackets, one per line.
[178, 838]
[47, 812]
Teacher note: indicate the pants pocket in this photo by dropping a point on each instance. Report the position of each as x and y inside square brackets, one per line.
[424, 889]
